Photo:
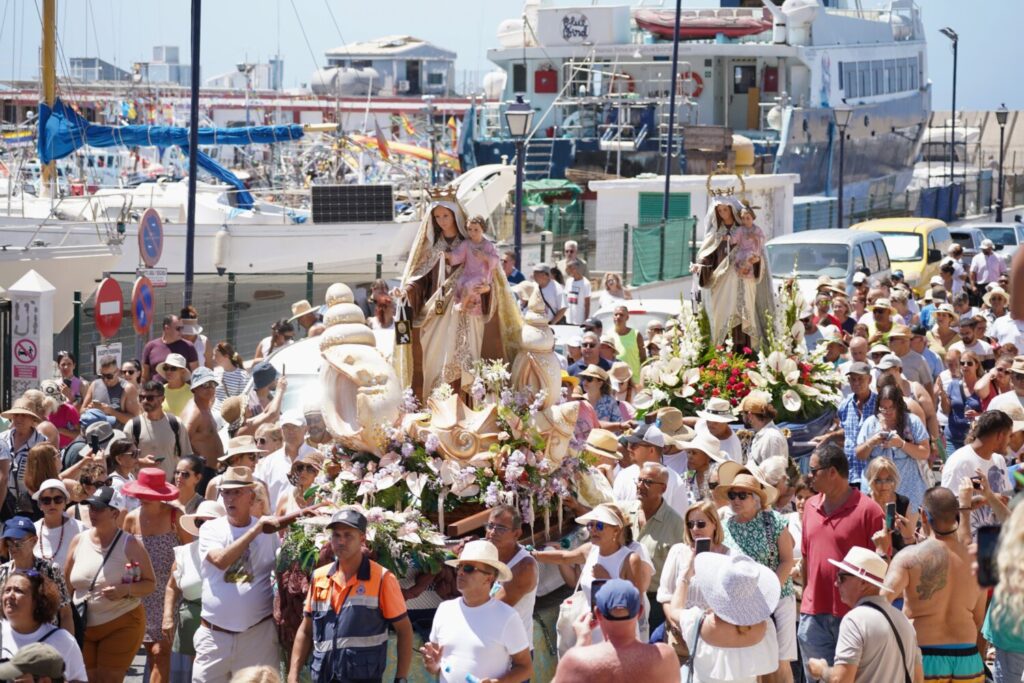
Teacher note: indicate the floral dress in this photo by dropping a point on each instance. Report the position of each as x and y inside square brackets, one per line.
[607, 409]
[161, 553]
[758, 539]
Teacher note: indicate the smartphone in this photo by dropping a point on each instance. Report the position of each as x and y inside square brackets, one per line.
[890, 516]
[988, 541]
[159, 458]
[976, 482]
[94, 443]
[594, 587]
[703, 545]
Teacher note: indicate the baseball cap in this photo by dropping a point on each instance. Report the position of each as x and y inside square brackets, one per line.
[618, 594]
[18, 528]
[34, 659]
[106, 497]
[897, 274]
[348, 517]
[936, 281]
[858, 367]
[859, 277]
[647, 434]
[203, 376]
[592, 322]
[293, 417]
[542, 268]
[889, 361]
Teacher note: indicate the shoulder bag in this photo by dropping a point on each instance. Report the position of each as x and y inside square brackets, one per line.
[80, 611]
[693, 650]
[907, 678]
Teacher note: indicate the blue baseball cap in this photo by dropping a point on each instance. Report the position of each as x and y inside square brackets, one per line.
[18, 528]
[618, 594]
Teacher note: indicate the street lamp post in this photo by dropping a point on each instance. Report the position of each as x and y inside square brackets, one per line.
[952, 35]
[432, 132]
[841, 115]
[1001, 114]
[519, 119]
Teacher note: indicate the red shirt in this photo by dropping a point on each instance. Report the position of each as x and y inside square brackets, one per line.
[826, 537]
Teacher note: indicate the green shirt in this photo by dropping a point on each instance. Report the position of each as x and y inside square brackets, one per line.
[662, 531]
[628, 351]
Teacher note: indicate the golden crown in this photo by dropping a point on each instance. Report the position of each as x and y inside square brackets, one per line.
[442, 194]
[729, 190]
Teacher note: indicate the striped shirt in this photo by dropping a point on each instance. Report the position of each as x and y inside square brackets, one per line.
[850, 417]
[232, 383]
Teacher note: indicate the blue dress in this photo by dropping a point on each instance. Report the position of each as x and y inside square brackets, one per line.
[912, 484]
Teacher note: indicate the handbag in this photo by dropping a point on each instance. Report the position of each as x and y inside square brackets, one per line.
[568, 612]
[693, 650]
[80, 610]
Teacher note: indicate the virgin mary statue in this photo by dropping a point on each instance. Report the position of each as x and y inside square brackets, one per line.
[733, 269]
[446, 340]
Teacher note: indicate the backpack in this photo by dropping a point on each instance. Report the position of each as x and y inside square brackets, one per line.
[136, 431]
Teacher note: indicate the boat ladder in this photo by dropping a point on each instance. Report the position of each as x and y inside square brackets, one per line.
[538, 160]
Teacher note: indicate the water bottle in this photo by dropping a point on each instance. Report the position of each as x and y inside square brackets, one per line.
[470, 678]
[128, 576]
[136, 572]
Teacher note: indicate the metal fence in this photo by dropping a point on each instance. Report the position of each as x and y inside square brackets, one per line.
[239, 308]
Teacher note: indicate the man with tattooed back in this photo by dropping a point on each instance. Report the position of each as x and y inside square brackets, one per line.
[942, 598]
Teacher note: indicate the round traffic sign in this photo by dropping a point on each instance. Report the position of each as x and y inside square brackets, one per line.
[142, 305]
[151, 238]
[109, 305]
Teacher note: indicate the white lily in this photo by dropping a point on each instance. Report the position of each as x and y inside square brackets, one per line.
[791, 400]
[415, 481]
[790, 371]
[757, 379]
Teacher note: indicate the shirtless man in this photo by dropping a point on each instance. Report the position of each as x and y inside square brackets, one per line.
[941, 595]
[621, 657]
[199, 420]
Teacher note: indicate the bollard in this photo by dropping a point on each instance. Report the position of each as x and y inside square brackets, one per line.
[309, 282]
[76, 330]
[232, 330]
[379, 269]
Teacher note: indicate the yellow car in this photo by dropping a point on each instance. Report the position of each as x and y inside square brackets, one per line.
[915, 245]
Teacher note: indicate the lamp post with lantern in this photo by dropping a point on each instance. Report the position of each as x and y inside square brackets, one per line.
[1001, 115]
[841, 115]
[519, 119]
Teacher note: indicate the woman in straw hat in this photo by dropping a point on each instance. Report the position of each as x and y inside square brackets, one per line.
[598, 391]
[762, 534]
[182, 601]
[943, 334]
[621, 379]
[14, 447]
[155, 523]
[731, 635]
[611, 552]
[301, 476]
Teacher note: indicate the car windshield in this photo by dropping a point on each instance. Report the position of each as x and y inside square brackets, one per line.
[903, 246]
[1002, 237]
[809, 260]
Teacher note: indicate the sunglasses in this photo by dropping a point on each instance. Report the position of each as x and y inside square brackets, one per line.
[128, 372]
[739, 495]
[595, 526]
[150, 397]
[696, 524]
[299, 468]
[51, 500]
[261, 441]
[110, 376]
[88, 482]
[470, 569]
[712, 485]
[17, 543]
[586, 345]
[842, 576]
[199, 522]
[969, 364]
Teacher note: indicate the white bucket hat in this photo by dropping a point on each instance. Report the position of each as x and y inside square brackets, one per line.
[483, 552]
[708, 444]
[864, 564]
[52, 484]
[717, 410]
[174, 360]
[736, 588]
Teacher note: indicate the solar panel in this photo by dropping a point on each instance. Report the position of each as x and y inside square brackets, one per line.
[353, 203]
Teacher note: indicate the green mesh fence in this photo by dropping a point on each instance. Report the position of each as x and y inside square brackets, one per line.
[657, 257]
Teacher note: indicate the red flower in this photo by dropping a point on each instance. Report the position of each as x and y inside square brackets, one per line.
[715, 392]
[746, 350]
[698, 401]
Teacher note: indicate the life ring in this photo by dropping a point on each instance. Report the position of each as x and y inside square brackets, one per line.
[694, 77]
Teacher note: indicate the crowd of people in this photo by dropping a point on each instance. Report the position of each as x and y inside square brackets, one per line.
[144, 511]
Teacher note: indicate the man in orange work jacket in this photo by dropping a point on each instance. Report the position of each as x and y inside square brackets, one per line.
[350, 605]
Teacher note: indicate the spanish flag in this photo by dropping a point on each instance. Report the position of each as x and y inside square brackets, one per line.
[382, 144]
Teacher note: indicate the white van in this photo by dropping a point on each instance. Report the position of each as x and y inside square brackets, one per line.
[837, 253]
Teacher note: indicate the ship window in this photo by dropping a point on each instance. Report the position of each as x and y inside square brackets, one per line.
[877, 70]
[890, 75]
[519, 77]
[864, 74]
[743, 79]
[913, 73]
[850, 79]
[435, 79]
[362, 63]
[901, 75]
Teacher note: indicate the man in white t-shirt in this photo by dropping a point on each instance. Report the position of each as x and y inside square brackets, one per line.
[551, 292]
[1006, 330]
[477, 635]
[986, 267]
[577, 294]
[236, 629]
[273, 470]
[982, 457]
[968, 340]
[646, 444]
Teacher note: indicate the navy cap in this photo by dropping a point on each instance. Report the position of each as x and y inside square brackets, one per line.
[349, 517]
[618, 594]
[898, 274]
[592, 322]
[263, 374]
[18, 528]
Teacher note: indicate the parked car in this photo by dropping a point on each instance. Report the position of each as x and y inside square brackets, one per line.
[969, 237]
[916, 246]
[641, 312]
[1006, 236]
[839, 254]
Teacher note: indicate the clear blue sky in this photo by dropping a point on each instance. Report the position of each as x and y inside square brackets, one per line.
[235, 30]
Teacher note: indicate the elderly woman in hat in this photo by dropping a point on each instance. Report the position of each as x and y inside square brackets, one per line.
[758, 415]
[597, 389]
[731, 635]
[156, 524]
[303, 473]
[56, 529]
[945, 332]
[182, 600]
[703, 453]
[610, 553]
[762, 534]
[14, 447]
[99, 561]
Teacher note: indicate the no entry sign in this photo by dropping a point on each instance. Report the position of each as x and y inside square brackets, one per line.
[109, 305]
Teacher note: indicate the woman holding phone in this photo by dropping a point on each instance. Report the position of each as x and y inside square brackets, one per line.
[900, 519]
[893, 432]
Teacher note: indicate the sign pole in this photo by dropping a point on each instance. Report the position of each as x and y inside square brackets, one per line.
[193, 160]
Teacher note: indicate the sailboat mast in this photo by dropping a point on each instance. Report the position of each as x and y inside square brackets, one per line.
[49, 67]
